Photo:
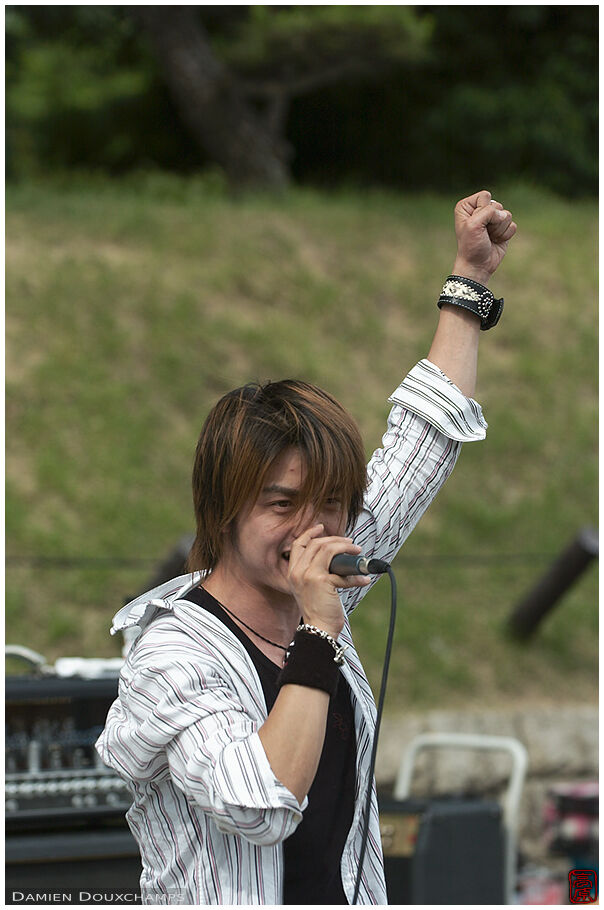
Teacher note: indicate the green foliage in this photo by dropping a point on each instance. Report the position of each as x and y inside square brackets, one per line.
[82, 91]
[443, 97]
[506, 93]
[133, 304]
[66, 76]
[523, 103]
[65, 90]
[281, 42]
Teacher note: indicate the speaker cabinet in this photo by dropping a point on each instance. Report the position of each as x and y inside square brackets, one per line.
[443, 851]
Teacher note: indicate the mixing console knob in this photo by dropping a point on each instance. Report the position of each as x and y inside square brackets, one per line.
[89, 799]
[54, 757]
[11, 805]
[34, 751]
[79, 758]
[77, 801]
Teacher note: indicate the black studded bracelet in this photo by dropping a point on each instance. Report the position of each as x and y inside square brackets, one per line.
[472, 296]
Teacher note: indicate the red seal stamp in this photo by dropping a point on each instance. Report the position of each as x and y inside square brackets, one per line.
[583, 886]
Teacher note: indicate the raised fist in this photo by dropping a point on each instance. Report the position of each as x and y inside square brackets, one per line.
[483, 229]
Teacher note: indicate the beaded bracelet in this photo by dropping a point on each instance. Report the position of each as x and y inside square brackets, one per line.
[310, 660]
[339, 649]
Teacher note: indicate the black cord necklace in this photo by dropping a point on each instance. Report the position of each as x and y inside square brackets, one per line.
[249, 628]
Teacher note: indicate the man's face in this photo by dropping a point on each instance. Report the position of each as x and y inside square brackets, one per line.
[265, 531]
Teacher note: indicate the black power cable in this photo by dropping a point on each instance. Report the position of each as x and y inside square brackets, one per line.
[378, 721]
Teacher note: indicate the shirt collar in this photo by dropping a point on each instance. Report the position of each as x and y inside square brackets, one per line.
[140, 611]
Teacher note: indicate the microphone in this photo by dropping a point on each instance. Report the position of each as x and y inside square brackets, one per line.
[346, 564]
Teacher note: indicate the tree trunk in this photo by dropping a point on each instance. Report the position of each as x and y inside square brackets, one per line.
[224, 124]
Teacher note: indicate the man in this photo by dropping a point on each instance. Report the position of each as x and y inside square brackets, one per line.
[244, 720]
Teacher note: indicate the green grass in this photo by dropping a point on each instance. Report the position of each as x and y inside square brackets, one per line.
[132, 305]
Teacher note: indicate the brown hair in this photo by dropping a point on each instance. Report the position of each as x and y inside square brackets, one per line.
[240, 439]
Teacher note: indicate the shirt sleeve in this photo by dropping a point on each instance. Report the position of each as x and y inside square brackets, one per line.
[429, 393]
[429, 420]
[177, 716]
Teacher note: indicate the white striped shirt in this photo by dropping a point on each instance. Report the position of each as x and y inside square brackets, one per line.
[208, 813]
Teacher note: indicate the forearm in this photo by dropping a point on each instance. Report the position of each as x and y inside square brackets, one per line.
[293, 736]
[455, 347]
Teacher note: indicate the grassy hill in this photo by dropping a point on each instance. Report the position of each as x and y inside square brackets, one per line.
[132, 305]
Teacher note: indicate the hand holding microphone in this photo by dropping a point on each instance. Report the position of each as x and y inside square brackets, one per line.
[314, 560]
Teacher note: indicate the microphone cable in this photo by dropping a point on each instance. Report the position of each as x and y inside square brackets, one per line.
[378, 721]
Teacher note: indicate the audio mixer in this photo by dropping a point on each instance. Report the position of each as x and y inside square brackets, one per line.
[53, 772]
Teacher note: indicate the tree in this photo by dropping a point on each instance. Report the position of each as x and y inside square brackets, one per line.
[234, 91]
[364, 95]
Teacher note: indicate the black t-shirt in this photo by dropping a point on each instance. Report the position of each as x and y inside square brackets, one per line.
[313, 852]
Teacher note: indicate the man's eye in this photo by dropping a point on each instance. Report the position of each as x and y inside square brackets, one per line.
[282, 503]
[333, 503]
